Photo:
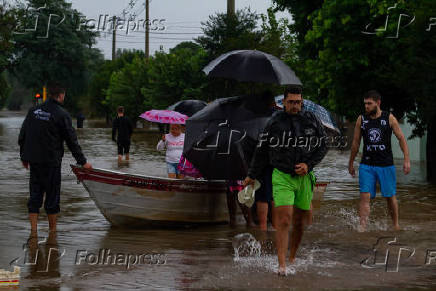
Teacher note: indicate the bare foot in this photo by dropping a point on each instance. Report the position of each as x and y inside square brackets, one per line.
[360, 228]
[291, 260]
[397, 227]
[282, 272]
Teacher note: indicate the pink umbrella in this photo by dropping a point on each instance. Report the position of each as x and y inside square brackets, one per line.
[164, 116]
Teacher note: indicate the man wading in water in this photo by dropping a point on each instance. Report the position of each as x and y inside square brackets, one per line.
[41, 141]
[377, 162]
[293, 142]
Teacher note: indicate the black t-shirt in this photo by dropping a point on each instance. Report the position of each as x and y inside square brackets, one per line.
[377, 133]
[124, 127]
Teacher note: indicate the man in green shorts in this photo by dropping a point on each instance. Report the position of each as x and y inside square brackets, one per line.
[293, 142]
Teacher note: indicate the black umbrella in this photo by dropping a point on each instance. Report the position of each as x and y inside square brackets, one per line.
[252, 66]
[220, 139]
[188, 107]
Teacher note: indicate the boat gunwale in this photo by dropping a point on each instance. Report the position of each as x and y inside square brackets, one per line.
[166, 179]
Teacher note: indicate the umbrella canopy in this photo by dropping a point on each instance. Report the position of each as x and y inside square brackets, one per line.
[252, 66]
[320, 112]
[220, 139]
[164, 116]
[188, 107]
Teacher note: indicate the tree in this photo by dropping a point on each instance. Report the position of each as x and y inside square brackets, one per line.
[57, 51]
[100, 81]
[348, 57]
[223, 33]
[4, 90]
[125, 87]
[175, 76]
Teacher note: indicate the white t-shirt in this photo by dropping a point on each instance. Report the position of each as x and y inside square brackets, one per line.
[173, 145]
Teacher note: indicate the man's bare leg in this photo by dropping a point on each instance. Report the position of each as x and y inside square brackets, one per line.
[120, 158]
[309, 217]
[231, 205]
[273, 215]
[364, 210]
[33, 217]
[262, 214]
[246, 212]
[393, 210]
[284, 218]
[127, 157]
[299, 220]
[52, 218]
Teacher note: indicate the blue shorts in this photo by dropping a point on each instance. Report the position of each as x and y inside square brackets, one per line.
[172, 168]
[386, 176]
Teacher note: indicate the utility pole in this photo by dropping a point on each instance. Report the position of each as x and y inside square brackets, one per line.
[147, 28]
[114, 37]
[230, 7]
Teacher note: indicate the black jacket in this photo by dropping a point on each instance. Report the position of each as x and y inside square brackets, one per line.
[124, 127]
[43, 133]
[287, 141]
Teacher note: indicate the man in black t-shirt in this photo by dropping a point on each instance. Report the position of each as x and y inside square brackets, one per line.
[124, 127]
[375, 127]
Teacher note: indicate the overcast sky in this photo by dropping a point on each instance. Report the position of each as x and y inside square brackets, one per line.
[181, 19]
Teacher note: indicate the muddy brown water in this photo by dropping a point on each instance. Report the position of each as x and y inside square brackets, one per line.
[88, 254]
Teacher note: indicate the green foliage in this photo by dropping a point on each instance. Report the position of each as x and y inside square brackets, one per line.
[125, 88]
[338, 63]
[8, 21]
[101, 79]
[5, 90]
[175, 76]
[223, 33]
[58, 52]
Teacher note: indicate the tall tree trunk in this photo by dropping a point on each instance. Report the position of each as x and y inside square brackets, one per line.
[431, 152]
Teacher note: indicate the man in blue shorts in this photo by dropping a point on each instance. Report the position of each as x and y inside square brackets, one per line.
[377, 164]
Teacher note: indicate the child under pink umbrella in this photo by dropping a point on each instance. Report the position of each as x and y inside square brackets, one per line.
[173, 143]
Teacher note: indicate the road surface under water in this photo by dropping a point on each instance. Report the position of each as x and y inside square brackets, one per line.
[332, 254]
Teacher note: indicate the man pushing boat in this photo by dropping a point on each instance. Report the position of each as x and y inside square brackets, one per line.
[41, 141]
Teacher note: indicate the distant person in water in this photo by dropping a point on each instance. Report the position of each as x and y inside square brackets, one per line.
[377, 164]
[122, 128]
[173, 143]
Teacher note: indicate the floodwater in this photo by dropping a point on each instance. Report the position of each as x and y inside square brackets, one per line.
[332, 254]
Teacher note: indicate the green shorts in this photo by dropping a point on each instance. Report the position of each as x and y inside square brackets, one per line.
[288, 190]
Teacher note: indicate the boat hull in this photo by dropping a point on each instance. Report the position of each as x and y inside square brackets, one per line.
[132, 200]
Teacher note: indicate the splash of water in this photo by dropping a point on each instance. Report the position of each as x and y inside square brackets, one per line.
[250, 254]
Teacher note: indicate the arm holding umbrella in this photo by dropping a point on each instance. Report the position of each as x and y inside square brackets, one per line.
[162, 144]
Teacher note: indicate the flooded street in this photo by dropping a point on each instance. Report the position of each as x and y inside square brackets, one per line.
[332, 254]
